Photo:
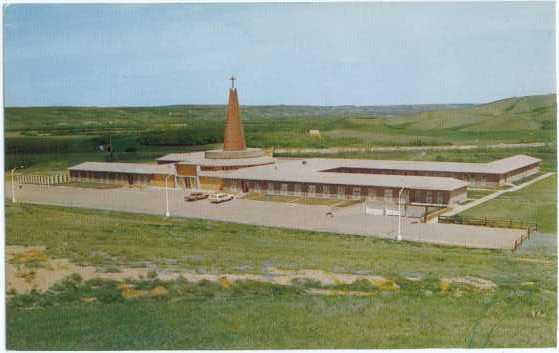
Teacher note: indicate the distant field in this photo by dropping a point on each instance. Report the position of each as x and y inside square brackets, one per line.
[535, 203]
[519, 313]
[61, 130]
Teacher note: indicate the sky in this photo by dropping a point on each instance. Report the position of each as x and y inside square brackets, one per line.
[293, 54]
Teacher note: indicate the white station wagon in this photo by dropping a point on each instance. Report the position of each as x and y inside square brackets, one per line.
[219, 197]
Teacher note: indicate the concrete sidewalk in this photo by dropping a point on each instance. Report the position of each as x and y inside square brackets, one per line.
[275, 214]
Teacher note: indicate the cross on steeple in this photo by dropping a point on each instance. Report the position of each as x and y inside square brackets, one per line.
[232, 81]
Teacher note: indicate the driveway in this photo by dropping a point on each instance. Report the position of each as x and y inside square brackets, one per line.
[351, 220]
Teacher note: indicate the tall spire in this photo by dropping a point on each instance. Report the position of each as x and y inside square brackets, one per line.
[234, 139]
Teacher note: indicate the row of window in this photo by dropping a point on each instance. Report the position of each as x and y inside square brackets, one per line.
[137, 178]
[319, 190]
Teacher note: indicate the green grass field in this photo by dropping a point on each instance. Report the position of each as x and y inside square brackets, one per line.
[519, 313]
[535, 203]
[479, 193]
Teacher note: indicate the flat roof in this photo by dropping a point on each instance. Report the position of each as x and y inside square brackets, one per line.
[500, 166]
[496, 167]
[199, 158]
[511, 163]
[296, 171]
[131, 168]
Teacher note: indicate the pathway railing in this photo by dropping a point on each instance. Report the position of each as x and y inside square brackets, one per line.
[529, 227]
[489, 222]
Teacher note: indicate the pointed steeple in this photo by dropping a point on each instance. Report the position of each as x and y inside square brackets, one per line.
[234, 139]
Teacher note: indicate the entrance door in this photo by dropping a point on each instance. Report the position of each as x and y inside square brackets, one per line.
[187, 183]
[244, 186]
[130, 179]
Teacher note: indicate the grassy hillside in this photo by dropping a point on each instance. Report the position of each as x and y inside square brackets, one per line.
[524, 113]
[523, 119]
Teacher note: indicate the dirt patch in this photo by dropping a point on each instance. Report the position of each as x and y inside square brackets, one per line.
[30, 268]
[334, 292]
[468, 282]
[23, 275]
[286, 277]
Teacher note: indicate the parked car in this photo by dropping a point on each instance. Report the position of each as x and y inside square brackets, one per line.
[218, 198]
[194, 196]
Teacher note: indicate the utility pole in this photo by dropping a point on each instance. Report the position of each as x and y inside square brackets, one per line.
[13, 183]
[399, 236]
[167, 214]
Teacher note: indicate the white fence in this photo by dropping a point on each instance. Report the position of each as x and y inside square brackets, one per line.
[42, 179]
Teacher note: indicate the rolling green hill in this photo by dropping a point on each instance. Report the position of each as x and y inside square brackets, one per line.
[511, 114]
[511, 120]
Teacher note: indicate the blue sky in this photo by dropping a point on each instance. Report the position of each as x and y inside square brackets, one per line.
[308, 54]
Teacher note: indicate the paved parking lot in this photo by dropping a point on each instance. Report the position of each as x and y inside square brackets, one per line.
[350, 220]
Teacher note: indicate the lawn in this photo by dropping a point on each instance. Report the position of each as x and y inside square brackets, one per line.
[519, 313]
[535, 203]
[479, 193]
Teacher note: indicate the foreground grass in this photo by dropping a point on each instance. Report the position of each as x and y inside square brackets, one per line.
[291, 321]
[516, 314]
[535, 203]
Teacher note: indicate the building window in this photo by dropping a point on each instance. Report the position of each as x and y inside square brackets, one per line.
[341, 192]
[323, 190]
[312, 190]
[284, 189]
[440, 198]
[297, 188]
[388, 195]
[356, 192]
[428, 197]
